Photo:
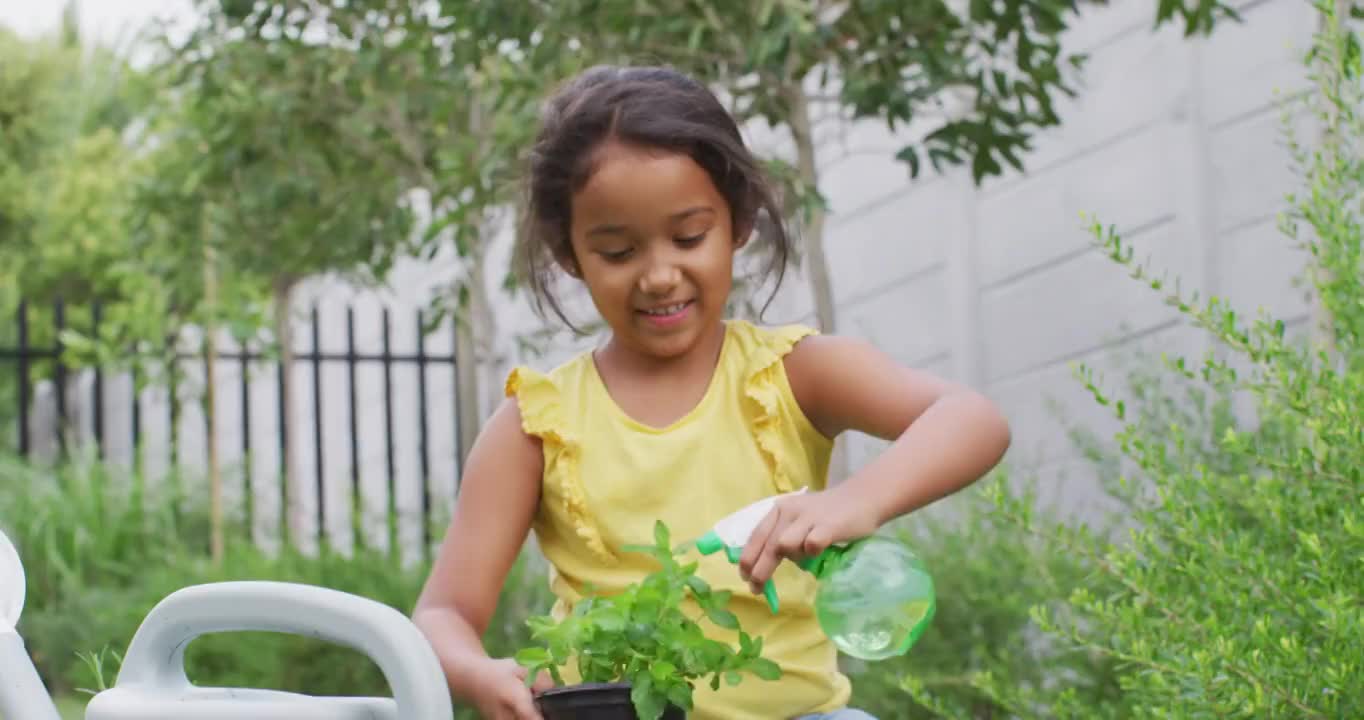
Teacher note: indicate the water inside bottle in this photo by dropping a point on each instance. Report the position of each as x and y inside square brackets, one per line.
[876, 601]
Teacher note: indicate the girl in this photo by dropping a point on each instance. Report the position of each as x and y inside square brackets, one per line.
[642, 189]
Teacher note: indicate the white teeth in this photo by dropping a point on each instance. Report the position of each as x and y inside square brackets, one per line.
[667, 310]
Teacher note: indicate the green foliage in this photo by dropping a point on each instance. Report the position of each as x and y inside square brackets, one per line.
[260, 162]
[985, 75]
[88, 536]
[100, 550]
[1236, 593]
[53, 93]
[75, 158]
[642, 636]
[436, 109]
[989, 574]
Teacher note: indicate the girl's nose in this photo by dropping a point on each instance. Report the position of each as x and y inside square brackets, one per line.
[660, 278]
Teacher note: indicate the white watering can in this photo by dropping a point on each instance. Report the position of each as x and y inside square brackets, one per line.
[152, 685]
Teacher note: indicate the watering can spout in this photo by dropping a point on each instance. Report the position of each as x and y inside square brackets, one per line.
[22, 694]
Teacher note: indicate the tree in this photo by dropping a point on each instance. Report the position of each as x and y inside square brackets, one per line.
[70, 156]
[259, 183]
[964, 82]
[435, 104]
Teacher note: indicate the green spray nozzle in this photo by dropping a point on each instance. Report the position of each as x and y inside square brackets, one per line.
[711, 543]
[731, 535]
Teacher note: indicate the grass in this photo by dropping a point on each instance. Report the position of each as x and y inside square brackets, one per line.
[70, 707]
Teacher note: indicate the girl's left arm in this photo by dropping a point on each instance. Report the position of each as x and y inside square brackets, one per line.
[944, 436]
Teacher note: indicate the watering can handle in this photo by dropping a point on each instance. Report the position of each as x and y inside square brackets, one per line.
[156, 655]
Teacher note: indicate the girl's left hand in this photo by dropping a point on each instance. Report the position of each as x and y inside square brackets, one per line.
[803, 526]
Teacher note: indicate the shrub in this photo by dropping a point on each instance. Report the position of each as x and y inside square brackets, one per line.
[1237, 592]
[100, 553]
[989, 573]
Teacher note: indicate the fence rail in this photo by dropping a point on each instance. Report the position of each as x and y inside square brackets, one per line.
[24, 354]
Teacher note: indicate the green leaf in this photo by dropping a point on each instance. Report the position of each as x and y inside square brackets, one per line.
[681, 696]
[723, 618]
[765, 669]
[910, 155]
[609, 621]
[648, 704]
[699, 586]
[662, 670]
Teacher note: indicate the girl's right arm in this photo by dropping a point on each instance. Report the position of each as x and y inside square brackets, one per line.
[497, 500]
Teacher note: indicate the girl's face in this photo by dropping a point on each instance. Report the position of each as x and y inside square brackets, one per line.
[653, 242]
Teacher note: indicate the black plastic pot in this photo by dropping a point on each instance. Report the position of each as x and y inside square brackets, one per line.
[594, 701]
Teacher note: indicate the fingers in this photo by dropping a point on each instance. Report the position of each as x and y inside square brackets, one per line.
[785, 542]
[818, 540]
[523, 707]
[786, 532]
[515, 702]
[508, 697]
[519, 699]
[543, 682]
[757, 543]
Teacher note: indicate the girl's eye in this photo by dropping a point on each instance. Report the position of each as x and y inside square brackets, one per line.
[691, 241]
[615, 255]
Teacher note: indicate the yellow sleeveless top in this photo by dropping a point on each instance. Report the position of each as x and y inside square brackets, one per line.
[607, 478]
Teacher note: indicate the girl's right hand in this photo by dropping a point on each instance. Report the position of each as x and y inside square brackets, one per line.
[500, 691]
[498, 498]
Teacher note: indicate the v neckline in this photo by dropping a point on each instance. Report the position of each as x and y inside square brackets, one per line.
[632, 421]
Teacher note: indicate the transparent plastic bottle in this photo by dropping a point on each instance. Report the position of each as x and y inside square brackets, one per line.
[874, 597]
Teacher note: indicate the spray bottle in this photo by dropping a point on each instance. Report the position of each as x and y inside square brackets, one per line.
[874, 599]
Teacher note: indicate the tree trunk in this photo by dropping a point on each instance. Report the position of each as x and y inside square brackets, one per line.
[291, 495]
[821, 285]
[485, 327]
[466, 380]
[474, 341]
[802, 132]
[474, 348]
[215, 480]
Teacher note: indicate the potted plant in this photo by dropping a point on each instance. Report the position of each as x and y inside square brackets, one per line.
[638, 653]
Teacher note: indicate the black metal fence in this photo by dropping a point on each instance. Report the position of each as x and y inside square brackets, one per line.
[24, 354]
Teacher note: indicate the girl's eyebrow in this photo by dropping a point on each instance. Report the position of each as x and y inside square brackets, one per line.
[607, 230]
[615, 229]
[690, 211]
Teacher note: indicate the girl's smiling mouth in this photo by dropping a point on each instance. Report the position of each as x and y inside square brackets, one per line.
[665, 315]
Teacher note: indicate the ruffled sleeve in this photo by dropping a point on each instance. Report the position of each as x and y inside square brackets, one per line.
[542, 416]
[765, 385]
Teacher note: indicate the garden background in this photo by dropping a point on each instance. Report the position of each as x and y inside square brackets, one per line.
[1167, 539]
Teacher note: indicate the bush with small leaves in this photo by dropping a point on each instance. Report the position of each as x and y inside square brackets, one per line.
[1237, 593]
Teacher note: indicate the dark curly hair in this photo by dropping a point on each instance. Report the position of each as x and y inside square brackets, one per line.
[654, 107]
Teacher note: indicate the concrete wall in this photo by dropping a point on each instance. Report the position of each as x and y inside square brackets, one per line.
[1176, 142]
